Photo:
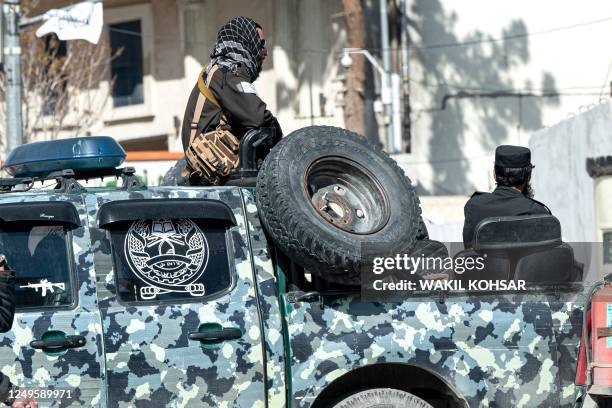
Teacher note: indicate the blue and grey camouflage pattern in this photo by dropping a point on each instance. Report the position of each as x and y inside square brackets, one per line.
[494, 350]
[149, 358]
[79, 370]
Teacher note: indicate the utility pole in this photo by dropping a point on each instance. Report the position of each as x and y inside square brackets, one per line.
[11, 54]
[12, 73]
[386, 78]
[407, 124]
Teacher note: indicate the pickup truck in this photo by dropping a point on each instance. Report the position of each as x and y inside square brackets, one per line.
[185, 296]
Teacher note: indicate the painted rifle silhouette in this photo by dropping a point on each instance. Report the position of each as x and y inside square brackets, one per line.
[45, 285]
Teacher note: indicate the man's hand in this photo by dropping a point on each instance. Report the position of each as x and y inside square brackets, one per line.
[21, 398]
[5, 269]
[25, 403]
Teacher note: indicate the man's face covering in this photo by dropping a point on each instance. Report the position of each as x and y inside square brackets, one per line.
[239, 43]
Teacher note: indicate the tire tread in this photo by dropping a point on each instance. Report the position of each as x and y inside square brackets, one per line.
[298, 240]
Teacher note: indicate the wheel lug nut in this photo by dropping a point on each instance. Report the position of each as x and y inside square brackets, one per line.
[359, 213]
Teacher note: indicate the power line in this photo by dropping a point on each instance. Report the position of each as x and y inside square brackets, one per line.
[432, 86]
[421, 46]
[445, 84]
[501, 94]
[509, 37]
[451, 85]
[516, 90]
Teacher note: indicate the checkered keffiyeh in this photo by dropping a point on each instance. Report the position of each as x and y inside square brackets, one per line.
[238, 43]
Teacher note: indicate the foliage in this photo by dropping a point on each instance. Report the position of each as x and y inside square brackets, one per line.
[61, 93]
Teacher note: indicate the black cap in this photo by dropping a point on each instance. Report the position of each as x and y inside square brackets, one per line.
[512, 156]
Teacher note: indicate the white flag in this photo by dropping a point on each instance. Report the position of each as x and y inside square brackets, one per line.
[83, 21]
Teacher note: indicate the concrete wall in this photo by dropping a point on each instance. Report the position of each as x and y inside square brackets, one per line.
[453, 142]
[560, 179]
[164, 88]
[458, 67]
[444, 218]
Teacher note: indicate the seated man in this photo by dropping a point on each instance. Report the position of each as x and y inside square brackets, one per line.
[224, 97]
[513, 195]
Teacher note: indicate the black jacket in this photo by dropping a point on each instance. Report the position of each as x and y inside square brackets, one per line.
[7, 313]
[504, 201]
[242, 107]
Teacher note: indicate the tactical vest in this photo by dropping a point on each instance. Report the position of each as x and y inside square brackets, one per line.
[210, 156]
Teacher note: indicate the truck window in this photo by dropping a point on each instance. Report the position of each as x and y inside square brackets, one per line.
[170, 259]
[42, 258]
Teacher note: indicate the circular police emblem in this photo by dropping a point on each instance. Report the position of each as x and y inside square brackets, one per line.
[168, 255]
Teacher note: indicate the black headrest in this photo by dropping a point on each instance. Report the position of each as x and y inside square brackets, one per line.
[554, 265]
[517, 232]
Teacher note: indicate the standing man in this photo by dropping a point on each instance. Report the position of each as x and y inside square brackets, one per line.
[513, 195]
[224, 97]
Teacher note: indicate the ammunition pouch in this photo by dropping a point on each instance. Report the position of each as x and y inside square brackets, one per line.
[213, 155]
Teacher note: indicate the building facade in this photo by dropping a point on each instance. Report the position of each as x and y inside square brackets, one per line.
[165, 43]
[480, 74]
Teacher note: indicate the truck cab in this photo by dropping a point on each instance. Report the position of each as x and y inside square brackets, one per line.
[177, 296]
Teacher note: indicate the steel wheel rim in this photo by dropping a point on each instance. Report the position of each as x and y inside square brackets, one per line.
[346, 195]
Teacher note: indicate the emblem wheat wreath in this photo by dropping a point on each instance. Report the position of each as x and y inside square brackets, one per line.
[168, 255]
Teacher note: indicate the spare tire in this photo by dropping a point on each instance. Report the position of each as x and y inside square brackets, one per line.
[323, 192]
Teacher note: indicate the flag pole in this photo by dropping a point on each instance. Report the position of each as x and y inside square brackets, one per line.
[25, 22]
[11, 53]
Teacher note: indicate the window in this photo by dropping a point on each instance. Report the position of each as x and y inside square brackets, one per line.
[127, 68]
[607, 247]
[198, 24]
[170, 259]
[41, 257]
[56, 53]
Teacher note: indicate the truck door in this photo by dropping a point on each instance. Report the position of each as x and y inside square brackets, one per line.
[178, 302]
[55, 343]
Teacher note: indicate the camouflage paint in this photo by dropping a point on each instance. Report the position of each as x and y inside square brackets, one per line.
[502, 350]
[150, 360]
[495, 350]
[79, 369]
[269, 306]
